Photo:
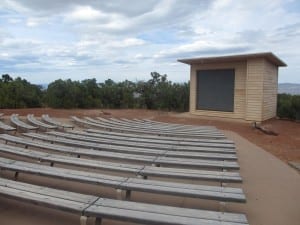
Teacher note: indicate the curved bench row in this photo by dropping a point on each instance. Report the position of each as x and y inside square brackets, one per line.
[163, 124]
[158, 139]
[148, 139]
[154, 122]
[36, 124]
[146, 159]
[146, 149]
[149, 129]
[94, 123]
[201, 146]
[49, 120]
[143, 171]
[155, 127]
[154, 159]
[102, 208]
[6, 128]
[127, 184]
[34, 121]
[20, 124]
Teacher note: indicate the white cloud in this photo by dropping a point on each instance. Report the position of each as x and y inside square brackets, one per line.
[84, 13]
[113, 37]
[127, 43]
[14, 20]
[199, 47]
[35, 21]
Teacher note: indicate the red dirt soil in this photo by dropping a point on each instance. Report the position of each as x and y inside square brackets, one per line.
[285, 146]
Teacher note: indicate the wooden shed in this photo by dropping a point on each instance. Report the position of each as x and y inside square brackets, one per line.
[236, 86]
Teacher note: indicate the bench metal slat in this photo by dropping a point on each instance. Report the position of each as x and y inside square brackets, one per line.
[137, 143]
[170, 210]
[39, 199]
[116, 209]
[55, 193]
[15, 120]
[148, 138]
[153, 136]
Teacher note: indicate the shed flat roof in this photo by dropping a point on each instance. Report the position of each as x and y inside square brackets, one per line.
[230, 58]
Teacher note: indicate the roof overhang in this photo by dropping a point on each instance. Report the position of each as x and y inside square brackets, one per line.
[231, 58]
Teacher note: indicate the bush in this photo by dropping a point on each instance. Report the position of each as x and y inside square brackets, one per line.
[288, 106]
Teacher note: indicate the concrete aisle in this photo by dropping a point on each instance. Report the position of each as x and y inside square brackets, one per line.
[272, 187]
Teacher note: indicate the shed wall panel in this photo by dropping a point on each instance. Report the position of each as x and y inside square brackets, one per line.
[270, 86]
[254, 89]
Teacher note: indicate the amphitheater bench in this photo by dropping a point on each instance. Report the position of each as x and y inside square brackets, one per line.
[34, 121]
[20, 124]
[201, 146]
[155, 160]
[154, 138]
[92, 206]
[91, 122]
[195, 130]
[146, 159]
[51, 121]
[124, 185]
[138, 170]
[150, 139]
[6, 128]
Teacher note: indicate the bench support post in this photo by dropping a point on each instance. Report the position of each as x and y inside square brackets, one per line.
[123, 194]
[155, 165]
[83, 220]
[16, 175]
[142, 177]
[222, 207]
[98, 221]
[223, 204]
[223, 184]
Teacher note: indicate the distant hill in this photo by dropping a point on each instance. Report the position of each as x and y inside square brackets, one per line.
[289, 88]
[44, 86]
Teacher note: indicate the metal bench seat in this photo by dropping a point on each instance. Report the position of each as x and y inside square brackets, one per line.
[126, 184]
[35, 122]
[20, 124]
[102, 208]
[138, 170]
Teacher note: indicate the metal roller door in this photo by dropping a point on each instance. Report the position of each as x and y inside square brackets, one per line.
[215, 90]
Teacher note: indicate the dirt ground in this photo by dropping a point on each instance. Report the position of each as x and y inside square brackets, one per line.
[285, 146]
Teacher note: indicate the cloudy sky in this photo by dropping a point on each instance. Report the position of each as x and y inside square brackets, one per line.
[43, 40]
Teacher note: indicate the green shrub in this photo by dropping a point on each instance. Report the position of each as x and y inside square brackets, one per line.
[288, 106]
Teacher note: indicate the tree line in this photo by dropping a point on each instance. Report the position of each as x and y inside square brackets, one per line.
[156, 93]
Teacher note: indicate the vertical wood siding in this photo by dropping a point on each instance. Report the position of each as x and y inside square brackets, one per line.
[254, 89]
[270, 86]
